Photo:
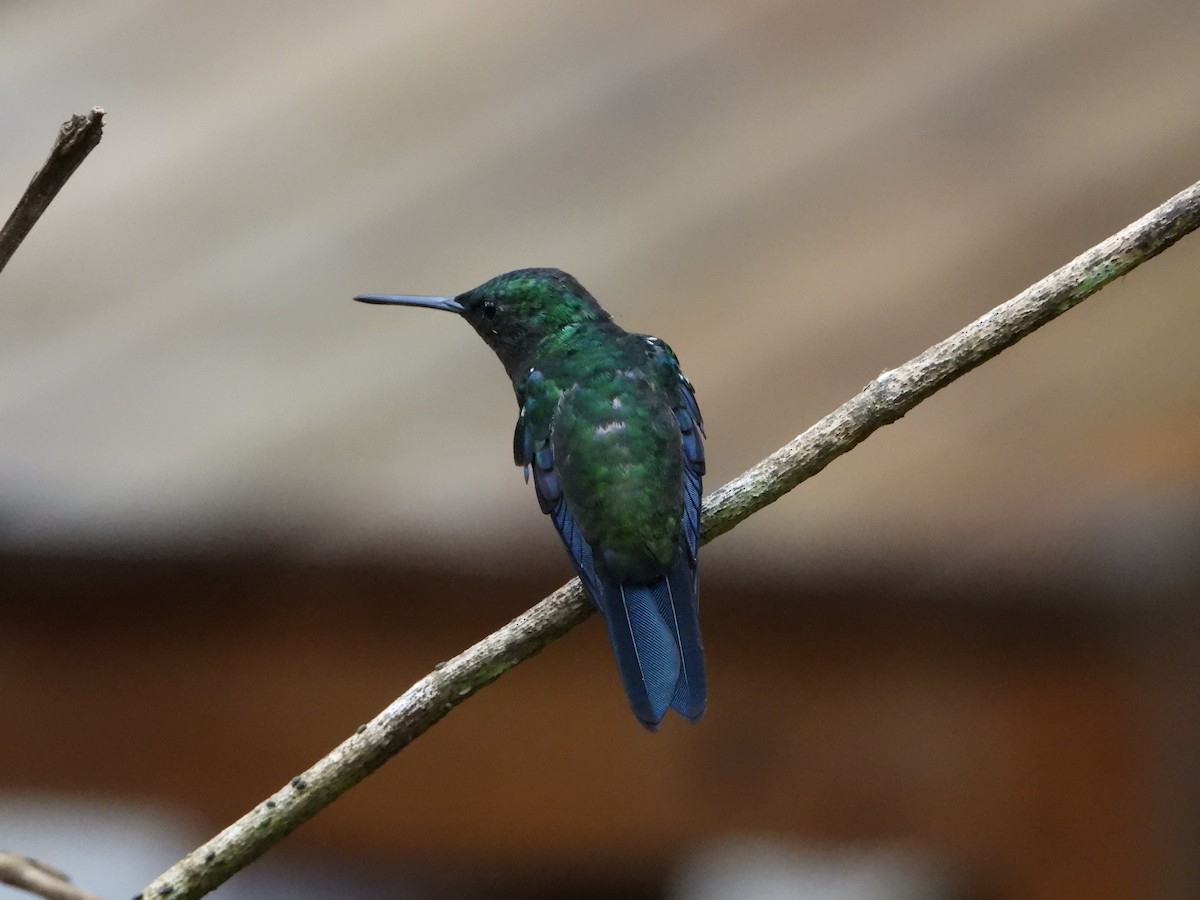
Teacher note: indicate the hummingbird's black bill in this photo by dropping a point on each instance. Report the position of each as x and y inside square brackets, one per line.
[447, 303]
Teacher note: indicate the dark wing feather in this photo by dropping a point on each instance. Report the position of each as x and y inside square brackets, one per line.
[691, 694]
[693, 472]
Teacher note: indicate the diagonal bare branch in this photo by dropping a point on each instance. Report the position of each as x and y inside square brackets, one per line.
[77, 137]
[38, 878]
[884, 400]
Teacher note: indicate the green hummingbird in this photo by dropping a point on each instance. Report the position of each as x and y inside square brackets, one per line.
[610, 428]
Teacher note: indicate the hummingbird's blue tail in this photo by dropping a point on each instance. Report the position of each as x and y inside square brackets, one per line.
[655, 632]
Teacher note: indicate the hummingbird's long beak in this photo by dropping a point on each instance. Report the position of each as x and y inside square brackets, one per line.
[447, 303]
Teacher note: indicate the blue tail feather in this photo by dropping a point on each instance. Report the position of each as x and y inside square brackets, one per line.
[655, 633]
[647, 654]
[691, 691]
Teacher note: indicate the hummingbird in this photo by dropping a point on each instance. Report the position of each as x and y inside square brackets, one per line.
[609, 426]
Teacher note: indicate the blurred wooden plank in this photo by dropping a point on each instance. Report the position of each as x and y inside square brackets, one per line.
[1020, 747]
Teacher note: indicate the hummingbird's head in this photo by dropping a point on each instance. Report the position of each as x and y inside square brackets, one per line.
[516, 311]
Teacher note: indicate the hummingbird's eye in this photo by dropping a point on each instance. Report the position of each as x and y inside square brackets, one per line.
[489, 308]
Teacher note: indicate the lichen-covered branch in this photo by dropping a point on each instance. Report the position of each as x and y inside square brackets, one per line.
[76, 139]
[884, 400]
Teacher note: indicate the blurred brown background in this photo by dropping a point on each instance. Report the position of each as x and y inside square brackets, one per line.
[239, 513]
